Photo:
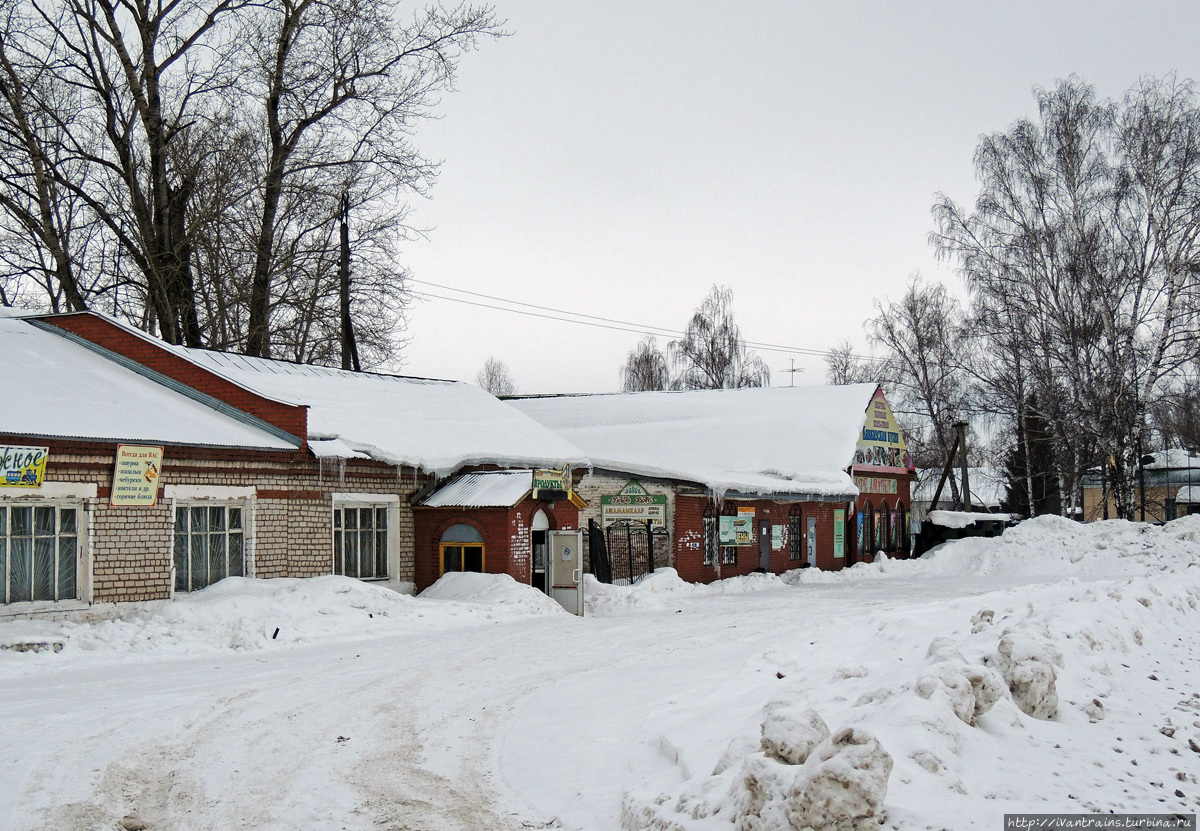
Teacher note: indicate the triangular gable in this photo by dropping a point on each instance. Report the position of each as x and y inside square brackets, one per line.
[881, 447]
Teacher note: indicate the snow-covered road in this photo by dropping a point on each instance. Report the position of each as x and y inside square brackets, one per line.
[426, 714]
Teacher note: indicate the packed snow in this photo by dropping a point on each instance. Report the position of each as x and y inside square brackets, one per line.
[1052, 669]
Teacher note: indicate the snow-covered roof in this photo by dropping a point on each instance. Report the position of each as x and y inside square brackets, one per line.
[490, 489]
[1173, 459]
[787, 440]
[988, 485]
[963, 519]
[1188, 495]
[437, 426]
[57, 388]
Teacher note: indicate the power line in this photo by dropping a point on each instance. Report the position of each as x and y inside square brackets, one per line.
[550, 313]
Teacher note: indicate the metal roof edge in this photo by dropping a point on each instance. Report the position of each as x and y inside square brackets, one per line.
[177, 387]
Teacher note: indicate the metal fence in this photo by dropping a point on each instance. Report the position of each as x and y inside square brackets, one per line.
[626, 551]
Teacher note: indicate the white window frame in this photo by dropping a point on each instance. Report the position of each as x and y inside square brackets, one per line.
[390, 501]
[184, 496]
[70, 495]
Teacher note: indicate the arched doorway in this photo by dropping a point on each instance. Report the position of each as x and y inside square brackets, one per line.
[539, 525]
[461, 548]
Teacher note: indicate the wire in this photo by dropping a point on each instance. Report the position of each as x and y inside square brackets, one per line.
[596, 320]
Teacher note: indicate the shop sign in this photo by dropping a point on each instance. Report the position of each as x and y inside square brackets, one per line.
[135, 476]
[634, 503]
[551, 480]
[22, 467]
[737, 530]
[871, 484]
[839, 532]
[881, 445]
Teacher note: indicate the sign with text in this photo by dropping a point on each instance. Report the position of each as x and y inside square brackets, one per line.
[839, 532]
[872, 484]
[776, 537]
[636, 503]
[881, 445]
[22, 467]
[135, 476]
[552, 480]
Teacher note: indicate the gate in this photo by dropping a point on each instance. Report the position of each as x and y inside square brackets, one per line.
[634, 549]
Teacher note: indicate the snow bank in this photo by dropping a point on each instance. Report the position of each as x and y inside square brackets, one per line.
[244, 613]
[964, 519]
[492, 590]
[1048, 546]
[665, 587]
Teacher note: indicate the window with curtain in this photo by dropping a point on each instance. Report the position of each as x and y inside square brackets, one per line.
[39, 552]
[209, 544]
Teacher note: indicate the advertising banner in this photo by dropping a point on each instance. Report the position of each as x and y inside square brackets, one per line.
[839, 532]
[872, 484]
[636, 503]
[135, 476]
[881, 445]
[726, 533]
[22, 467]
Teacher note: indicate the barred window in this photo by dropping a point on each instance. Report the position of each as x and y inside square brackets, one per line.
[710, 539]
[360, 541]
[209, 545]
[729, 555]
[39, 552]
[796, 536]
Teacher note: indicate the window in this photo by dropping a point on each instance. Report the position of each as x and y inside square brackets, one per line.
[39, 552]
[729, 555]
[209, 545]
[901, 527]
[796, 535]
[710, 539]
[462, 549]
[360, 541]
[885, 528]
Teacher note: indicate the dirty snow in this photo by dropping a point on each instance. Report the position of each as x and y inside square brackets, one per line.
[1052, 669]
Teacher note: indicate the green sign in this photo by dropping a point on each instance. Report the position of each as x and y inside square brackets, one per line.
[839, 532]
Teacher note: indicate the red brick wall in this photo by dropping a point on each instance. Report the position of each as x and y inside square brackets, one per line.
[505, 531]
[891, 501]
[289, 417]
[689, 538]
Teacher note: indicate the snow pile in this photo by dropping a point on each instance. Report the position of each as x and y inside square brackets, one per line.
[496, 590]
[802, 778]
[243, 613]
[665, 587]
[964, 519]
[1046, 546]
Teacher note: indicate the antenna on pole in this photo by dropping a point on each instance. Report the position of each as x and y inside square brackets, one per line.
[792, 372]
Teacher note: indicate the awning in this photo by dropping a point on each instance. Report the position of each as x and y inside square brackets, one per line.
[487, 489]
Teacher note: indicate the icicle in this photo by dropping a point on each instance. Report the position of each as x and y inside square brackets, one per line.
[320, 469]
[341, 471]
[399, 473]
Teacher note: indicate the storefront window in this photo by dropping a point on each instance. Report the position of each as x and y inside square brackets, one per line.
[39, 552]
[360, 541]
[209, 544]
[462, 549]
[796, 535]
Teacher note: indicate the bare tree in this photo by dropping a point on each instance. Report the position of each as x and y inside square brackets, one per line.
[185, 161]
[712, 353]
[496, 378]
[843, 366]
[1083, 246]
[923, 337]
[645, 368]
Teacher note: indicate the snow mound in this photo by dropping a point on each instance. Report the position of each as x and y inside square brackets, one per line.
[1046, 546]
[491, 590]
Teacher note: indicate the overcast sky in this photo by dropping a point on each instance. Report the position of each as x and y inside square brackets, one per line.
[619, 158]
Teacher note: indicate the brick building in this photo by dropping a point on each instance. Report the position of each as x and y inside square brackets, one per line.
[248, 467]
[736, 481]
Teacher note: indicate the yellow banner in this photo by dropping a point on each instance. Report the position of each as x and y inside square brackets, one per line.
[22, 467]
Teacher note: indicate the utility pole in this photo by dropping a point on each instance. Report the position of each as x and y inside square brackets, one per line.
[349, 346]
[792, 372]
